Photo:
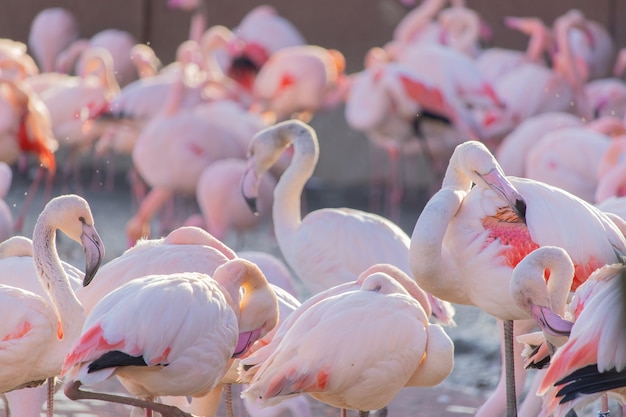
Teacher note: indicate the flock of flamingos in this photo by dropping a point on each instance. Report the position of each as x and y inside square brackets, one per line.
[525, 221]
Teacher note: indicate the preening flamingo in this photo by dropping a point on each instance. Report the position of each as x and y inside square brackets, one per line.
[329, 246]
[259, 355]
[40, 331]
[331, 371]
[200, 324]
[590, 364]
[546, 301]
[467, 240]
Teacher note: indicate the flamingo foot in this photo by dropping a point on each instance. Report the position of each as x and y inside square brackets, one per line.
[73, 392]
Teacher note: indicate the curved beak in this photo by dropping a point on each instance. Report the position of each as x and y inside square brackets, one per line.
[246, 339]
[551, 322]
[498, 182]
[94, 252]
[249, 187]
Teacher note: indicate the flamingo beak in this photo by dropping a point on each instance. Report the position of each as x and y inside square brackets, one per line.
[498, 182]
[249, 187]
[246, 339]
[551, 322]
[94, 252]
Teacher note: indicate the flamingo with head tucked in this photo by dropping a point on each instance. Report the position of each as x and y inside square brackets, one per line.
[330, 370]
[199, 324]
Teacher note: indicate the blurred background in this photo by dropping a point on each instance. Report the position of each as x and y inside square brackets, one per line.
[351, 26]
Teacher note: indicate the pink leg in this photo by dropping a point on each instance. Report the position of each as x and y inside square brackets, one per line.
[139, 225]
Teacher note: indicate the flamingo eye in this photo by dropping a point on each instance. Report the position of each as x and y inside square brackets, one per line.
[81, 219]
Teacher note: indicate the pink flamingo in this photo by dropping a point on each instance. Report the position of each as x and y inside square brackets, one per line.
[552, 161]
[328, 246]
[185, 141]
[546, 300]
[183, 249]
[189, 354]
[612, 183]
[25, 128]
[495, 62]
[469, 239]
[512, 152]
[274, 269]
[389, 103]
[15, 62]
[40, 330]
[52, 30]
[590, 364]
[300, 364]
[302, 80]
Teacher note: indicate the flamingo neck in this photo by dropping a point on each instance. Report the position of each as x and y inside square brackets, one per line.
[288, 192]
[54, 280]
[432, 271]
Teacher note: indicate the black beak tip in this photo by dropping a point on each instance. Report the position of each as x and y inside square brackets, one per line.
[252, 204]
[520, 207]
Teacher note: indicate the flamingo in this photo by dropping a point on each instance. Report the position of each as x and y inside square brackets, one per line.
[184, 249]
[590, 364]
[331, 371]
[301, 79]
[274, 269]
[328, 246]
[52, 30]
[40, 330]
[513, 149]
[258, 356]
[546, 302]
[201, 322]
[25, 129]
[468, 240]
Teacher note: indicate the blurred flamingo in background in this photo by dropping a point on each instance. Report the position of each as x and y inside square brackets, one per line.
[25, 130]
[52, 30]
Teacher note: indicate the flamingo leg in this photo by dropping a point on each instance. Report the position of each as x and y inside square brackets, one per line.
[50, 411]
[73, 392]
[228, 399]
[511, 397]
[7, 408]
[344, 413]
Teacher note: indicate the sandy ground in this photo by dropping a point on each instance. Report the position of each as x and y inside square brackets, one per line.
[477, 354]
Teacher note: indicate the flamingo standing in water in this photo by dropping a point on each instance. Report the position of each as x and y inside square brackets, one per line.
[328, 246]
[41, 328]
[51, 32]
[468, 240]
[201, 323]
[331, 371]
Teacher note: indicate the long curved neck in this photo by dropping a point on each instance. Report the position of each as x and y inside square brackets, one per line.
[55, 282]
[429, 267]
[288, 192]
